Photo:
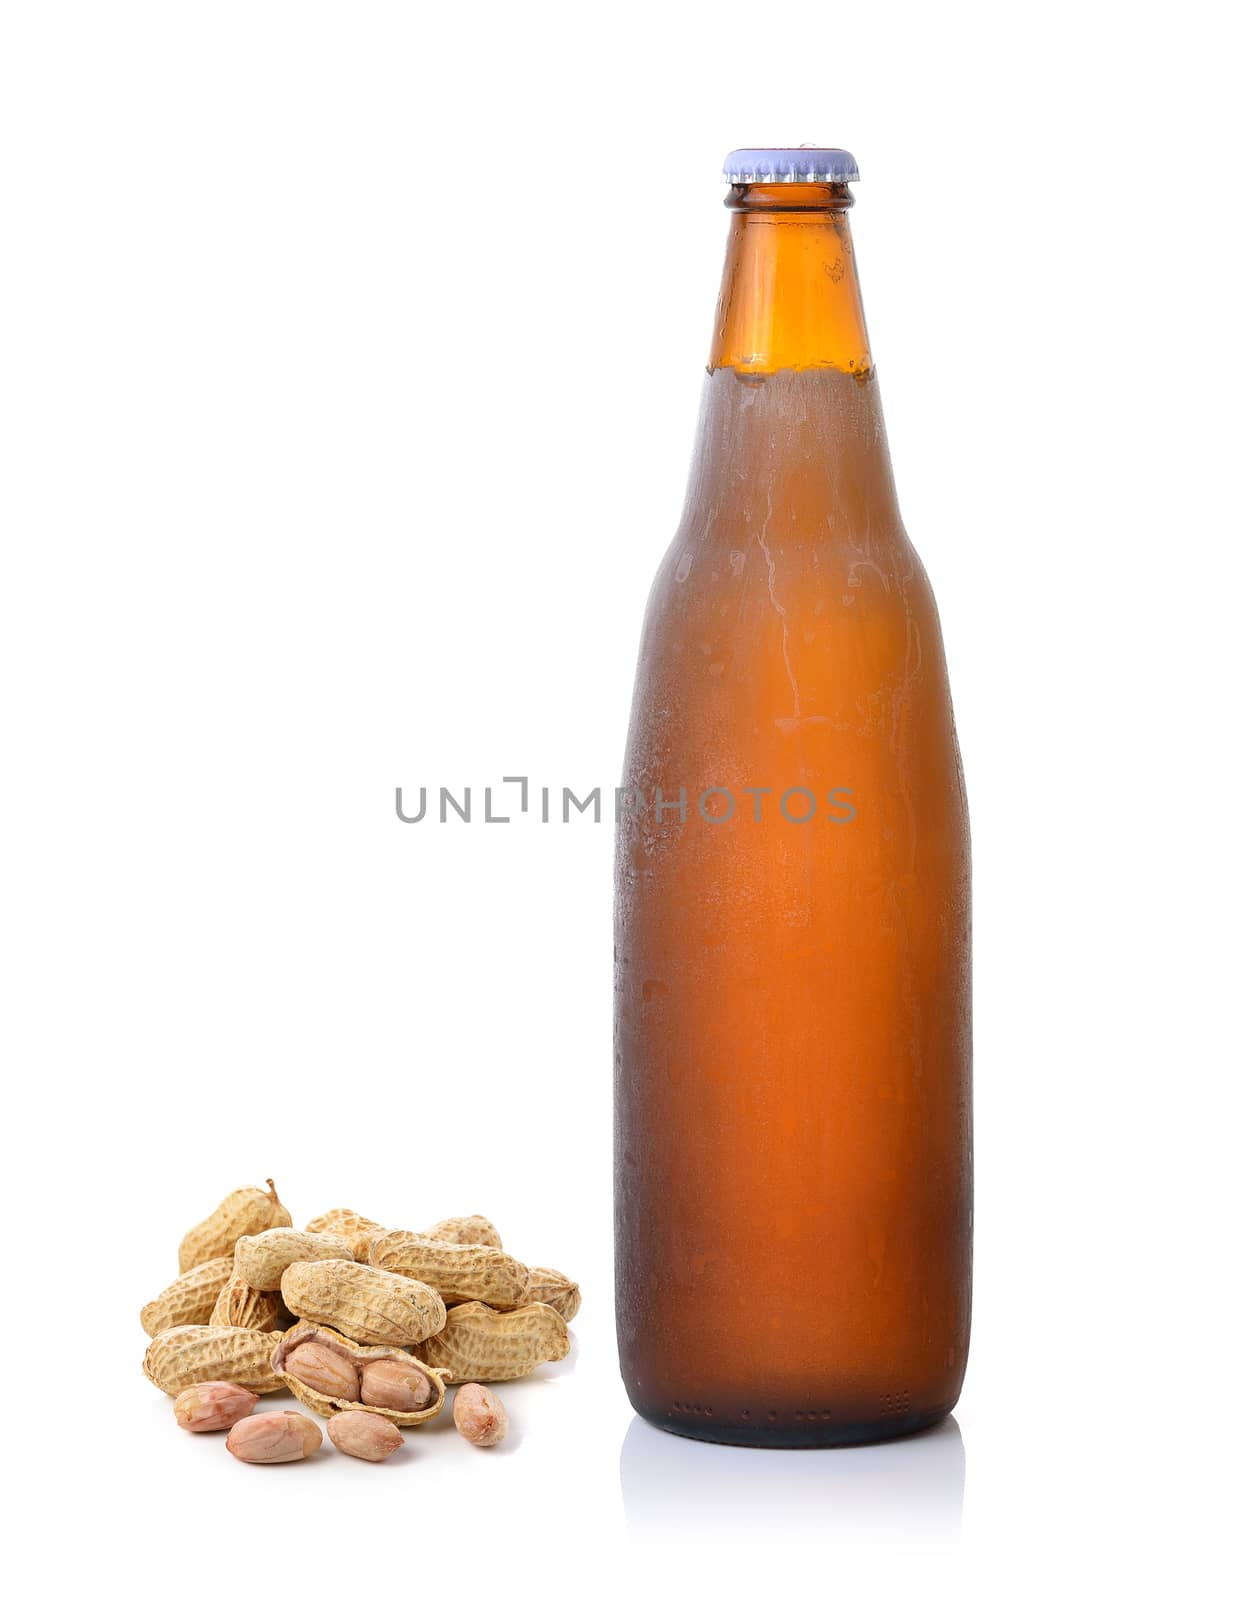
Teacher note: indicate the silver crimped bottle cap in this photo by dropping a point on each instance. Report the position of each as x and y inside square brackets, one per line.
[807, 164]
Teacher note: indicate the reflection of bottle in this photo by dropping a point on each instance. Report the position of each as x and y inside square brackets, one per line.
[914, 1488]
[793, 1114]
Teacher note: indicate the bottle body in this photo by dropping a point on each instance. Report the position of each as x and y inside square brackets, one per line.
[792, 947]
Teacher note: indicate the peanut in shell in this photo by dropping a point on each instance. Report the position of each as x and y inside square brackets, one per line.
[327, 1371]
[328, 1405]
[458, 1272]
[240, 1306]
[552, 1288]
[363, 1302]
[261, 1258]
[348, 1225]
[178, 1358]
[481, 1345]
[189, 1298]
[464, 1230]
[394, 1385]
[243, 1211]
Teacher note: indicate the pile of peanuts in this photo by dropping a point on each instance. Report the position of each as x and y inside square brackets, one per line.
[366, 1325]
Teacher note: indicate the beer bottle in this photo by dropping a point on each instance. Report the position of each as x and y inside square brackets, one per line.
[792, 967]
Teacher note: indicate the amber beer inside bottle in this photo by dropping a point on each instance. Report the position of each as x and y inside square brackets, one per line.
[792, 971]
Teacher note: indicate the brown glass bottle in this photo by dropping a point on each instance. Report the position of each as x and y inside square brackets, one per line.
[792, 968]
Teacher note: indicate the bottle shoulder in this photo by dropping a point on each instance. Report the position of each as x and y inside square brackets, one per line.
[717, 561]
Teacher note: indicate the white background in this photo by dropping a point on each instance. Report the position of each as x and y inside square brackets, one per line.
[351, 356]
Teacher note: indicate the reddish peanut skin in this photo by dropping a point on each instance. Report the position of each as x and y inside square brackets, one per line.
[326, 1371]
[364, 1435]
[212, 1407]
[273, 1437]
[395, 1386]
[479, 1416]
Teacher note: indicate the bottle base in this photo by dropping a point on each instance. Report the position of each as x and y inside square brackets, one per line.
[807, 1433]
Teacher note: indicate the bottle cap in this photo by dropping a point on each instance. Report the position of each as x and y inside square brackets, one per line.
[808, 163]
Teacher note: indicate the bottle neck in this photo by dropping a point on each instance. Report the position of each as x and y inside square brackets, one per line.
[790, 297]
[791, 444]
